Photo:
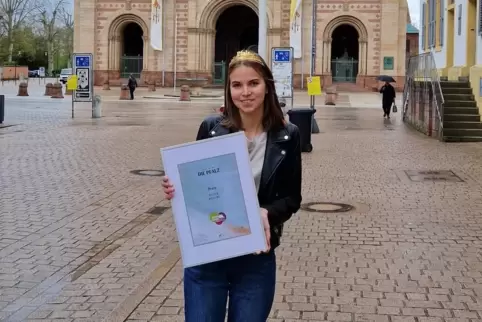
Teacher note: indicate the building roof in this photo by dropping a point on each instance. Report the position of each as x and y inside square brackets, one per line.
[411, 29]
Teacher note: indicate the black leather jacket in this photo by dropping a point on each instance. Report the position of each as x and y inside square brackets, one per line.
[280, 186]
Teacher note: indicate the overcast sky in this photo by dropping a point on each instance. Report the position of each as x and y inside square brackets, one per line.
[414, 6]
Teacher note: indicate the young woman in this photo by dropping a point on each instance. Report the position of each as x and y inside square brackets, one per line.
[251, 105]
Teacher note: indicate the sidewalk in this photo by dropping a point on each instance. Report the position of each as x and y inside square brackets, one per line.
[301, 99]
[83, 238]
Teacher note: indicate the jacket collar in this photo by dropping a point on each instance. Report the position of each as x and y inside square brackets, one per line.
[274, 154]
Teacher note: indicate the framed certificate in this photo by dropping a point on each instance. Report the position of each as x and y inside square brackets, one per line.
[215, 204]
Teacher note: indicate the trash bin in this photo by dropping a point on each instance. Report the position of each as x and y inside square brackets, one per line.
[2, 108]
[302, 117]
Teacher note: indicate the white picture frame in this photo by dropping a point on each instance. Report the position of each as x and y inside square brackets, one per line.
[215, 204]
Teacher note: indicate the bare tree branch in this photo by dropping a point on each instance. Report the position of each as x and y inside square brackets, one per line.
[13, 14]
[49, 13]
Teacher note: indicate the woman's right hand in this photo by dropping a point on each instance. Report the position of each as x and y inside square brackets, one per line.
[168, 188]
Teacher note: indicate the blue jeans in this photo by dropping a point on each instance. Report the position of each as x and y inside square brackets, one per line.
[248, 280]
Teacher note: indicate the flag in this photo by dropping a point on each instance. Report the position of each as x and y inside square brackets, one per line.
[295, 4]
[156, 24]
[296, 28]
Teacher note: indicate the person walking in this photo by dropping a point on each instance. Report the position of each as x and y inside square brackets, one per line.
[388, 98]
[132, 84]
[247, 283]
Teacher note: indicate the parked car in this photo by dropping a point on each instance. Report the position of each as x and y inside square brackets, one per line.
[33, 73]
[64, 75]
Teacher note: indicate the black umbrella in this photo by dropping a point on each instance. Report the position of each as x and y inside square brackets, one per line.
[386, 78]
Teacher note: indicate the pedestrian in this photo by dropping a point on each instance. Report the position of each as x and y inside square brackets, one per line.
[388, 98]
[251, 105]
[132, 84]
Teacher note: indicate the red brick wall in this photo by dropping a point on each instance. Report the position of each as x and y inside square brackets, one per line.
[412, 45]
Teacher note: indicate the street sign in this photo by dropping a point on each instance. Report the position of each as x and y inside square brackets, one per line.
[41, 71]
[83, 70]
[282, 68]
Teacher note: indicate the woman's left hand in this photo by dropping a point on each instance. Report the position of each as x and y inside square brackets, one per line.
[267, 231]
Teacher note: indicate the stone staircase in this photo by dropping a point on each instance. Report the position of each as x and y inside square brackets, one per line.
[461, 119]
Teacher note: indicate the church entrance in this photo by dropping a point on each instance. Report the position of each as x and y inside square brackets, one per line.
[132, 50]
[344, 54]
[236, 29]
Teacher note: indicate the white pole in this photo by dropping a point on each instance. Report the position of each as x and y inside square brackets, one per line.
[175, 52]
[163, 43]
[302, 52]
[312, 47]
[262, 31]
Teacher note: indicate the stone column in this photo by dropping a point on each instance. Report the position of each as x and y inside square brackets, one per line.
[145, 53]
[327, 56]
[210, 48]
[362, 48]
[117, 44]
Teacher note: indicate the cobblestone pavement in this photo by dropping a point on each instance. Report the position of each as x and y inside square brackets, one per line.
[81, 241]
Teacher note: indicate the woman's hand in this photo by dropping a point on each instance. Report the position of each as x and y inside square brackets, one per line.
[267, 231]
[168, 188]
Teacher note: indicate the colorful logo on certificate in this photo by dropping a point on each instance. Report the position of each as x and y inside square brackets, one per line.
[217, 217]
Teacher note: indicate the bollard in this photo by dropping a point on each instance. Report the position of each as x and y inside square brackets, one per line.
[97, 107]
[48, 89]
[185, 93]
[57, 91]
[125, 94]
[22, 89]
[2, 108]
[152, 86]
[330, 96]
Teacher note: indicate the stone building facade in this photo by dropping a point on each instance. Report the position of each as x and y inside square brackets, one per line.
[356, 40]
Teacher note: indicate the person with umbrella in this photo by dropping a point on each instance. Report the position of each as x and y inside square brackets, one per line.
[388, 94]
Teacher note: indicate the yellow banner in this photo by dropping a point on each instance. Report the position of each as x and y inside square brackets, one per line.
[72, 83]
[294, 6]
[314, 85]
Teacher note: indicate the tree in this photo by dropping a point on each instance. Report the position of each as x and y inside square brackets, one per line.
[68, 24]
[49, 14]
[12, 15]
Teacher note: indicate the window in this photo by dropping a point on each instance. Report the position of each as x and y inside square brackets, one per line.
[441, 23]
[431, 26]
[424, 25]
[459, 20]
[480, 18]
[407, 45]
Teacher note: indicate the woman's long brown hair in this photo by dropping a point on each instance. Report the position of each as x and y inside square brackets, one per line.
[273, 118]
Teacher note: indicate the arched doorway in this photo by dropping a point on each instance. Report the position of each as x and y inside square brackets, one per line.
[132, 50]
[236, 29]
[344, 53]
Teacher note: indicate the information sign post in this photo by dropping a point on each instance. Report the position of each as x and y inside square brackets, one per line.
[282, 69]
[83, 70]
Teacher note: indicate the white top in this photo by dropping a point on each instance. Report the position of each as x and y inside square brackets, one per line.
[256, 149]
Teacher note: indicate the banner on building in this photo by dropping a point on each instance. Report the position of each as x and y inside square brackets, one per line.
[296, 27]
[156, 25]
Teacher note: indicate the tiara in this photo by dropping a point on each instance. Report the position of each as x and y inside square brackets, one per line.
[246, 55]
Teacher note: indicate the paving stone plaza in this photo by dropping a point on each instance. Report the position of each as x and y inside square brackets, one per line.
[85, 234]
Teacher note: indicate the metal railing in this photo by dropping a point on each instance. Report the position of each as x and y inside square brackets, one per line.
[131, 65]
[344, 70]
[422, 95]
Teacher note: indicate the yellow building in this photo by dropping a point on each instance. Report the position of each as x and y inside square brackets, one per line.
[452, 30]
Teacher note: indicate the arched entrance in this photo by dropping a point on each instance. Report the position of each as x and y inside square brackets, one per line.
[127, 46]
[344, 54]
[345, 49]
[236, 29]
[132, 50]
